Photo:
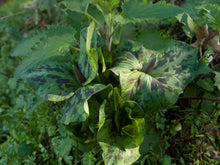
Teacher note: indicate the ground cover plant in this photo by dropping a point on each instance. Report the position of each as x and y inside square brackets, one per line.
[118, 82]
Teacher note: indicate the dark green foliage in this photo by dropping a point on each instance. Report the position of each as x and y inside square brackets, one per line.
[112, 85]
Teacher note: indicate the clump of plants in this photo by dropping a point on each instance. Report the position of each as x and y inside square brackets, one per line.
[112, 72]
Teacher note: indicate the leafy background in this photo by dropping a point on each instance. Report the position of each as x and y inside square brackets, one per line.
[31, 131]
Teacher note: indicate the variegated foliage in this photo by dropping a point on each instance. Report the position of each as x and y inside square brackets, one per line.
[107, 93]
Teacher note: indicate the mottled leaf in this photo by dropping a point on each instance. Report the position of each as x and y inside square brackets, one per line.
[130, 56]
[52, 80]
[125, 62]
[177, 67]
[172, 72]
[147, 91]
[114, 155]
[121, 123]
[88, 59]
[76, 109]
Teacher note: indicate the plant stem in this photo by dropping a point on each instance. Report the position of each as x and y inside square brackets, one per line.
[75, 48]
[18, 13]
[94, 19]
[198, 98]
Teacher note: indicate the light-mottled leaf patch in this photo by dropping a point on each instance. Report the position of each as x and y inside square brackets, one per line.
[77, 109]
[88, 59]
[114, 155]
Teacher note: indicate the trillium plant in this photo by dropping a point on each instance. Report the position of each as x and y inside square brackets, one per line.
[108, 80]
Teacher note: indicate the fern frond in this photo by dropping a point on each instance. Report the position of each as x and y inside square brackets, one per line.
[55, 41]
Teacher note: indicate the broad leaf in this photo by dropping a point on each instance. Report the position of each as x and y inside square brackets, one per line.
[142, 10]
[177, 67]
[25, 47]
[121, 123]
[147, 91]
[114, 155]
[172, 72]
[126, 53]
[77, 5]
[125, 62]
[76, 109]
[52, 80]
[151, 39]
[56, 42]
[88, 59]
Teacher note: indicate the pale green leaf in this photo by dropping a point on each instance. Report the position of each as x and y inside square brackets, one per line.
[115, 156]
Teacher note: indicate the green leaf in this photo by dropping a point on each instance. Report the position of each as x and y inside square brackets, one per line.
[52, 80]
[114, 155]
[206, 84]
[25, 47]
[25, 149]
[203, 68]
[77, 5]
[151, 39]
[62, 145]
[153, 141]
[172, 72]
[141, 10]
[56, 42]
[121, 123]
[88, 159]
[43, 5]
[88, 59]
[76, 109]
[217, 79]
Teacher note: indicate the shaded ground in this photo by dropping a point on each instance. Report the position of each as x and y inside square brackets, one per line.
[2, 2]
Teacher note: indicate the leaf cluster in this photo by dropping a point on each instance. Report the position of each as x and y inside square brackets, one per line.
[126, 92]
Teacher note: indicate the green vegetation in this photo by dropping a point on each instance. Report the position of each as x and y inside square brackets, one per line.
[110, 82]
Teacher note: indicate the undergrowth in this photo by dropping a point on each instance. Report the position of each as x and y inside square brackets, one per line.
[121, 98]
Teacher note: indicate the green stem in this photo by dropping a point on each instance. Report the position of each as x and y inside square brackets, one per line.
[96, 21]
[117, 26]
[75, 48]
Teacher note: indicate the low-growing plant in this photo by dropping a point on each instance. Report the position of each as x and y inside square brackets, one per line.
[112, 75]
